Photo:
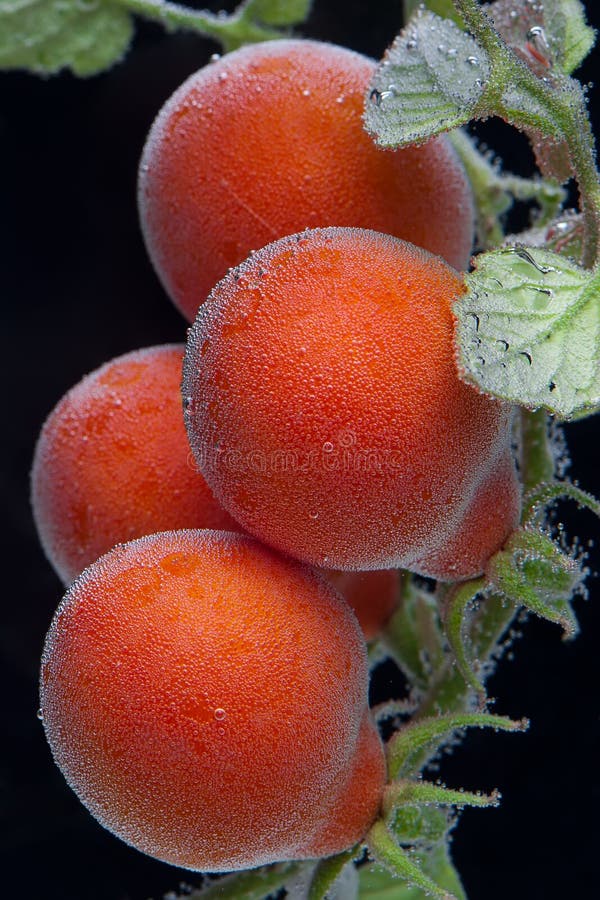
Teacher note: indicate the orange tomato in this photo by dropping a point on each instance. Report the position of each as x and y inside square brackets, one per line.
[327, 415]
[207, 701]
[113, 462]
[268, 141]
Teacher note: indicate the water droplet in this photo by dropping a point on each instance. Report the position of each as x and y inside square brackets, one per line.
[40, 715]
[411, 44]
[220, 714]
[472, 60]
[306, 92]
[327, 447]
[223, 76]
[313, 516]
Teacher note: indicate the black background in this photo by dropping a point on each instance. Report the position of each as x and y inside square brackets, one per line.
[77, 289]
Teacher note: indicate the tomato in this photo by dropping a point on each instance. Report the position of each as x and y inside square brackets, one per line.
[327, 415]
[207, 701]
[269, 140]
[373, 596]
[113, 462]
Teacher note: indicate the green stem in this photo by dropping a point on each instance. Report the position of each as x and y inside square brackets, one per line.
[449, 691]
[482, 27]
[557, 111]
[495, 190]
[231, 31]
[457, 601]
[537, 459]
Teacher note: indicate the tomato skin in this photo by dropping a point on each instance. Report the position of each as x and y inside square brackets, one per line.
[323, 399]
[373, 596]
[207, 701]
[113, 463]
[268, 141]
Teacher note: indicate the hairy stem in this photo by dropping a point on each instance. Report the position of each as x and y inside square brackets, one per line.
[230, 30]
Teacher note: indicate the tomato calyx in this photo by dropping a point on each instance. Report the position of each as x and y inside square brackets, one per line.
[410, 839]
[535, 569]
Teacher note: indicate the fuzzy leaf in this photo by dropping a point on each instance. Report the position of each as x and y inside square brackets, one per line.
[533, 571]
[279, 12]
[568, 33]
[443, 8]
[430, 80]
[529, 331]
[553, 35]
[45, 36]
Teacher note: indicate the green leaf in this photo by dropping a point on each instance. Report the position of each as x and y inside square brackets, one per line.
[529, 331]
[549, 36]
[443, 8]
[413, 810]
[45, 36]
[534, 572]
[279, 12]
[568, 33]
[536, 500]
[430, 80]
[418, 824]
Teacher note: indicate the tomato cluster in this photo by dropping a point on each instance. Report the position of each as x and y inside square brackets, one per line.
[204, 681]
